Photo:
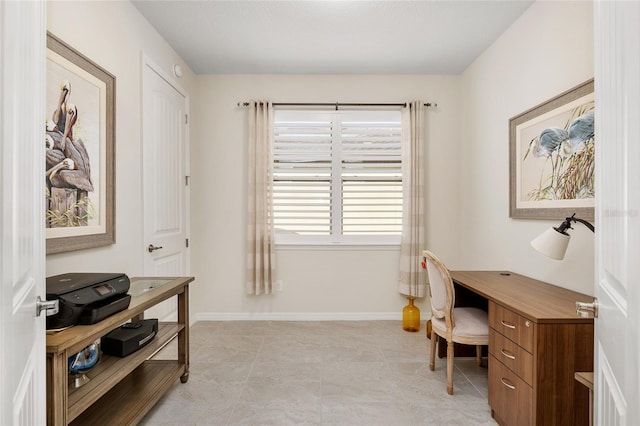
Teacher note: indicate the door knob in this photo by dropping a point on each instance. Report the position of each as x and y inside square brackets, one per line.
[585, 309]
[50, 306]
[151, 248]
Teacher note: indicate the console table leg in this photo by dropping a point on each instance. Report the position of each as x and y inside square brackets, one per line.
[183, 335]
[57, 394]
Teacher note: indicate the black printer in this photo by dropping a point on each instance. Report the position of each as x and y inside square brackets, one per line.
[86, 297]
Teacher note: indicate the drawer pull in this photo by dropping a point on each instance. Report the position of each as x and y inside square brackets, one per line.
[507, 354]
[509, 325]
[510, 386]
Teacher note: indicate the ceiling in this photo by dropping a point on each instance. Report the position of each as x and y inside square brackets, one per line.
[330, 36]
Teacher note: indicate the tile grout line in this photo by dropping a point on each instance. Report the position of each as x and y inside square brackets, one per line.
[246, 379]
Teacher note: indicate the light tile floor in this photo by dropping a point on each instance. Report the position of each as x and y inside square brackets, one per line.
[319, 373]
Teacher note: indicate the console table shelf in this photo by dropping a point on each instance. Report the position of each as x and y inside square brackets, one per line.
[132, 397]
[120, 390]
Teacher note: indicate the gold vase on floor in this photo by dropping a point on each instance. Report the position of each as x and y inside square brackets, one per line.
[411, 317]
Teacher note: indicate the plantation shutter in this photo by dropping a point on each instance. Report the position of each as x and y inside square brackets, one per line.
[302, 175]
[371, 178]
[337, 176]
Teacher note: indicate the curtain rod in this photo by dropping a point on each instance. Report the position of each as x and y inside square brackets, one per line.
[339, 104]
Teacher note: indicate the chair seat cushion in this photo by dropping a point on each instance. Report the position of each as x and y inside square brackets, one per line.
[471, 323]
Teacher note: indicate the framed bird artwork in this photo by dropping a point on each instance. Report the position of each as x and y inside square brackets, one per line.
[552, 157]
[79, 151]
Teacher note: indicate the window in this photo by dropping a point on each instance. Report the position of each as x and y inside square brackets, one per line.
[337, 177]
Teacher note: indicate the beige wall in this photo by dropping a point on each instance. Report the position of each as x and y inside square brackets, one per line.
[547, 51]
[341, 283]
[114, 35]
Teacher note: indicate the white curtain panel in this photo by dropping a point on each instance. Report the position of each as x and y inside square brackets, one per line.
[412, 277]
[260, 232]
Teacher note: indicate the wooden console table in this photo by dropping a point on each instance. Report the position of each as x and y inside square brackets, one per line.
[537, 343]
[120, 390]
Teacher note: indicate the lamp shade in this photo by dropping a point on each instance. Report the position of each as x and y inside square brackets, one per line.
[552, 243]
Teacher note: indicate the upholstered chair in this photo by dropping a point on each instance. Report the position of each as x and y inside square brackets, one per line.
[468, 326]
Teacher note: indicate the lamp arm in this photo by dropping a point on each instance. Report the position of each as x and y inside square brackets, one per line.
[585, 223]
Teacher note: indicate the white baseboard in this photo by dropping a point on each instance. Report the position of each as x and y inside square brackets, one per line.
[298, 316]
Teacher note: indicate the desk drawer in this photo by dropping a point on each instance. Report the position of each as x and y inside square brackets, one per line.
[510, 398]
[512, 356]
[511, 325]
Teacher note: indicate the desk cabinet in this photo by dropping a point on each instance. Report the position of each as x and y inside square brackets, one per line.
[536, 344]
[510, 397]
[120, 390]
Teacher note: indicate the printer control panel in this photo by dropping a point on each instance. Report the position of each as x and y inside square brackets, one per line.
[96, 293]
[104, 290]
[86, 295]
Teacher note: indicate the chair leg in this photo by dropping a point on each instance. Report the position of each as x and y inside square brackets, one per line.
[479, 355]
[434, 341]
[450, 368]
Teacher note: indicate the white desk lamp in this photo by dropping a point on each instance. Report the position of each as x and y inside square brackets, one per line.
[554, 241]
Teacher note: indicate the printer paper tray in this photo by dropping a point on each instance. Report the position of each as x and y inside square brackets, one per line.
[97, 312]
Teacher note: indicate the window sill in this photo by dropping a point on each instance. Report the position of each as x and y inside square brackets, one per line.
[337, 247]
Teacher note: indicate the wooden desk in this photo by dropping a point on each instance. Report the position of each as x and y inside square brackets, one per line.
[586, 378]
[121, 390]
[537, 343]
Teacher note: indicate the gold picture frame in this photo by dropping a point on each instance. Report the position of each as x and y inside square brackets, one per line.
[80, 151]
[552, 157]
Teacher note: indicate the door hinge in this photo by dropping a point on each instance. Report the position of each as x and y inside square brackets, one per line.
[187, 242]
[186, 119]
[186, 180]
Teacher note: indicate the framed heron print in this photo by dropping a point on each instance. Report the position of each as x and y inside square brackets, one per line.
[79, 151]
[552, 157]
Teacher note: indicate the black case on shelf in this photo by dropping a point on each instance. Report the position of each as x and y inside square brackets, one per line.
[129, 337]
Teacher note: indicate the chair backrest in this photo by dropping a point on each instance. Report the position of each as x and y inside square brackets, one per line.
[441, 289]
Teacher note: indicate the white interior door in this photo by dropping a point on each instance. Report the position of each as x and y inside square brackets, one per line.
[617, 85]
[22, 333]
[166, 171]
